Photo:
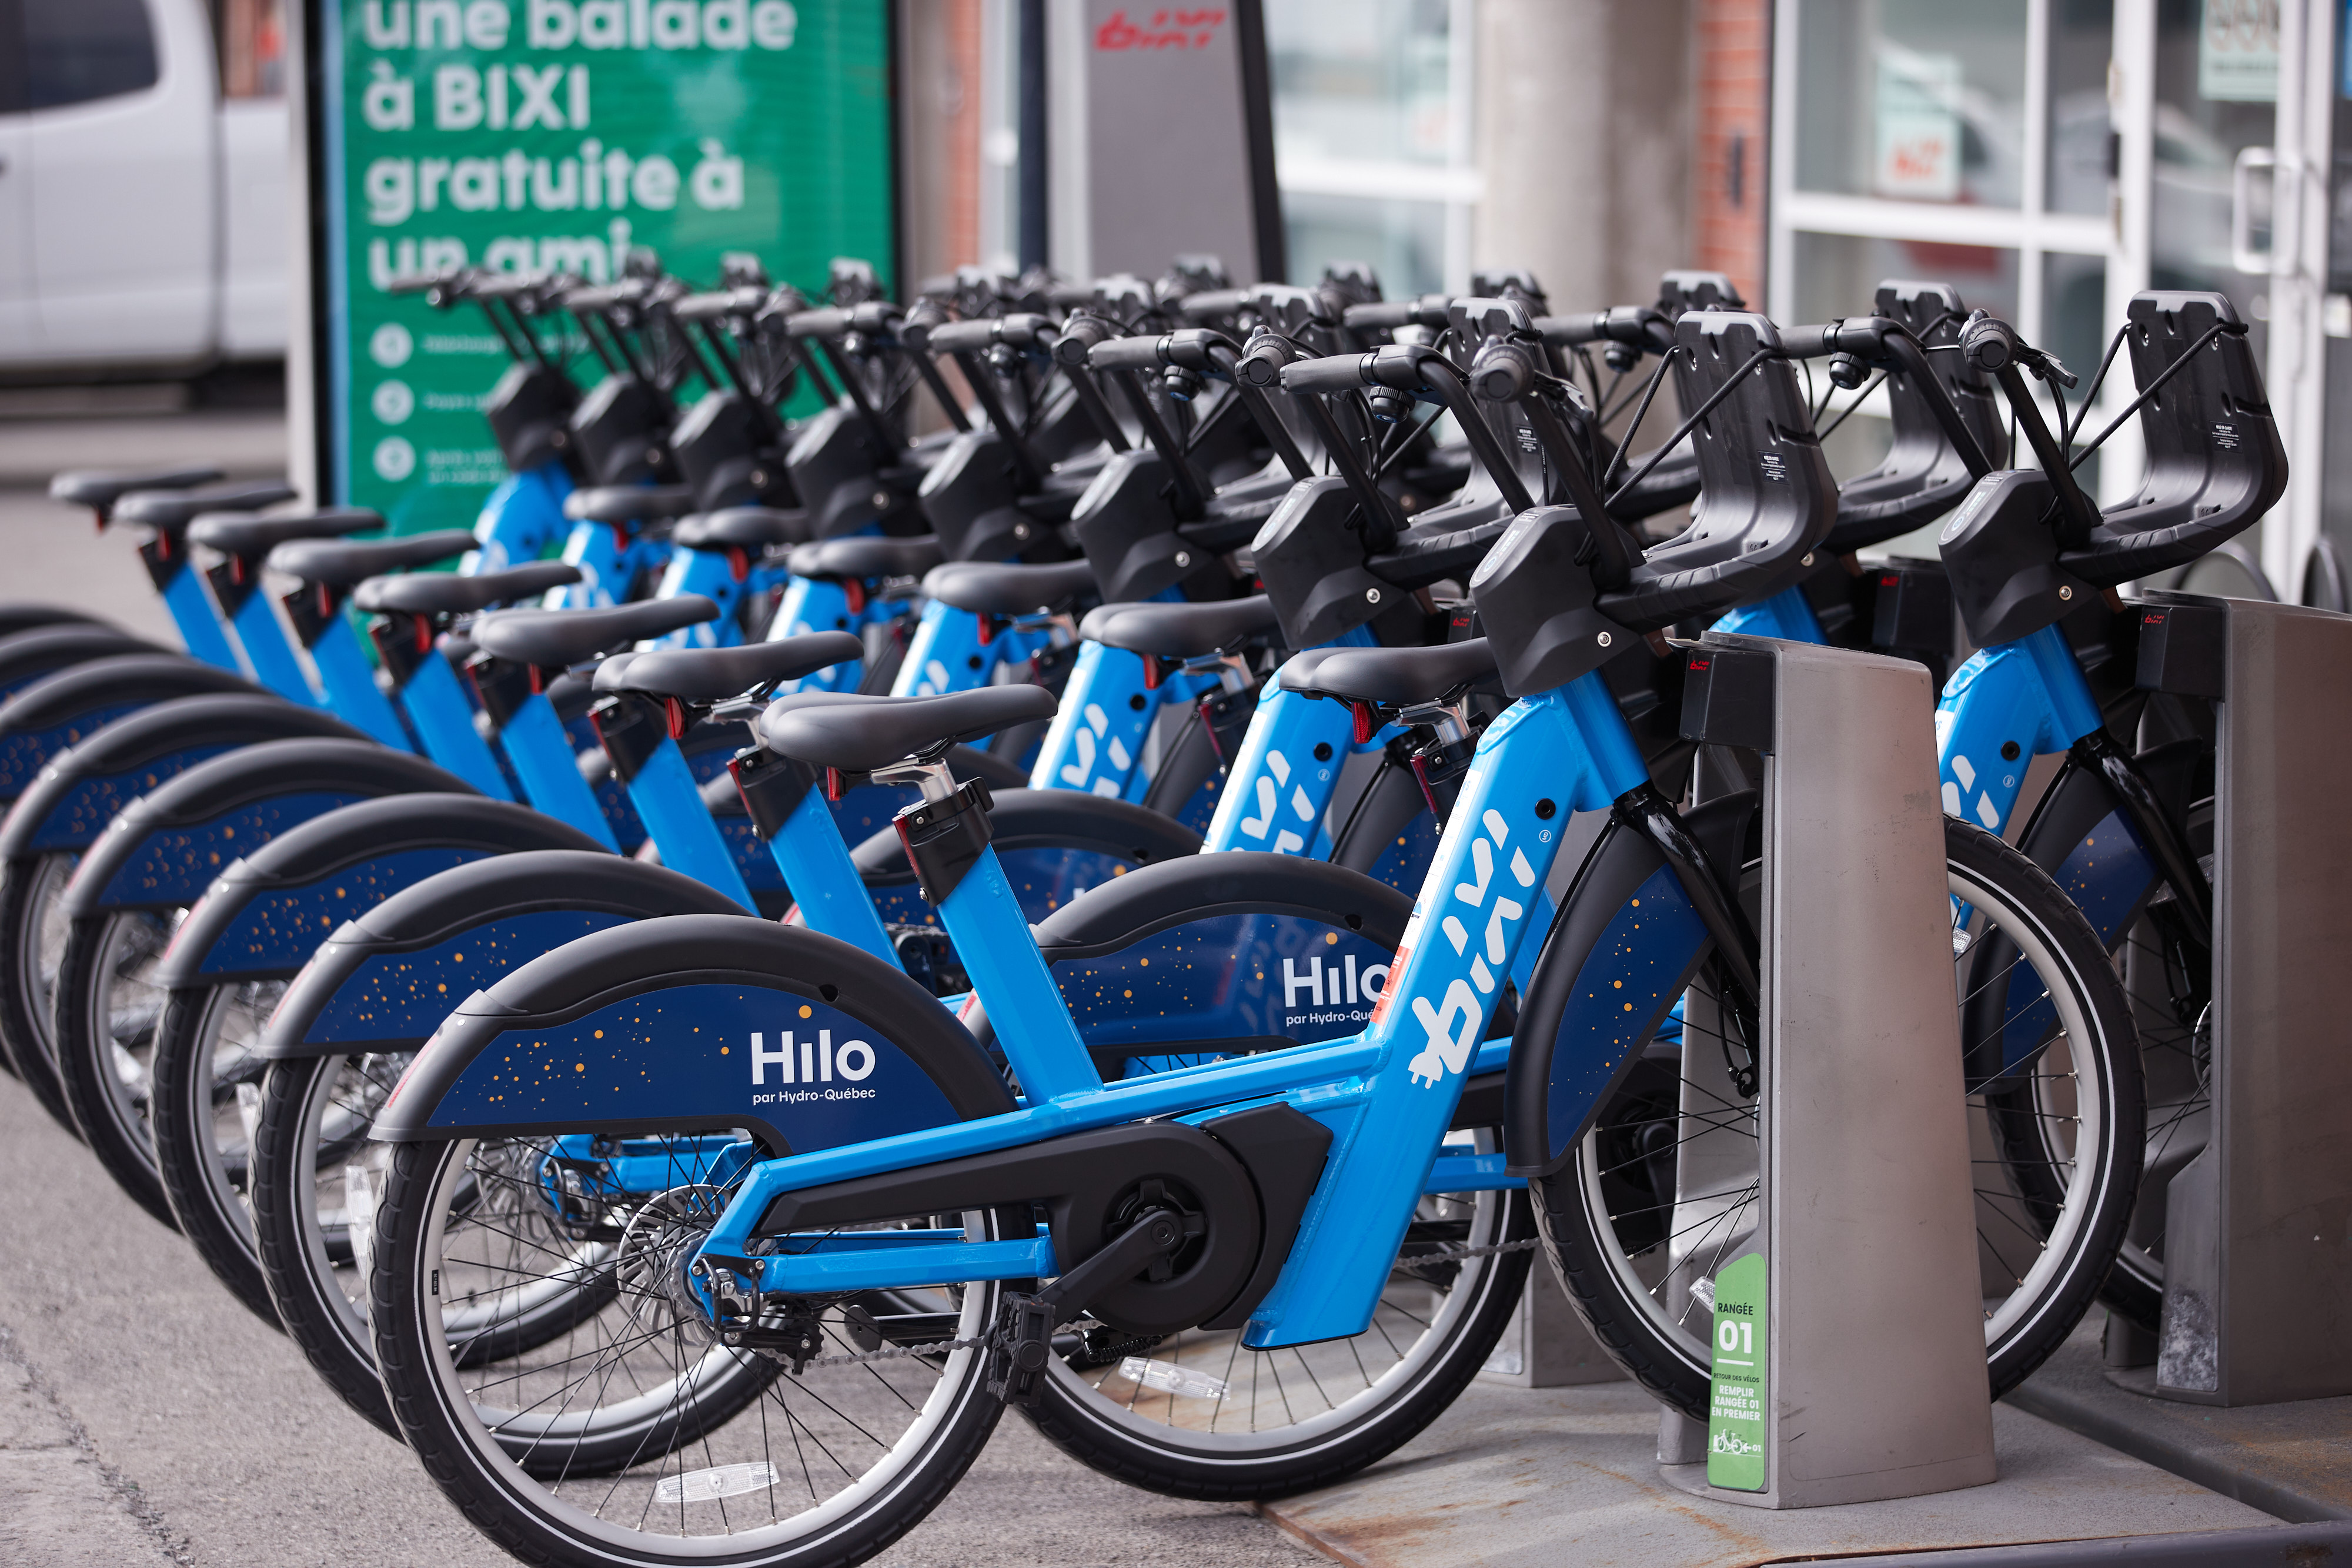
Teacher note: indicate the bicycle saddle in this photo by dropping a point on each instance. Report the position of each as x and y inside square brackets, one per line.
[859, 734]
[867, 555]
[170, 511]
[1182, 631]
[555, 639]
[340, 563]
[446, 593]
[629, 503]
[1009, 588]
[242, 534]
[741, 527]
[711, 674]
[100, 488]
[2215, 463]
[1391, 677]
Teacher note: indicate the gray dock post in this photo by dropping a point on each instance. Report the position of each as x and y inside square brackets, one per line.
[1873, 1354]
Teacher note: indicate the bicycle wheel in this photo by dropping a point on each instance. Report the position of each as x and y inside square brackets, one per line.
[310, 1157]
[636, 1438]
[32, 945]
[1664, 1186]
[206, 1074]
[108, 1005]
[1197, 1415]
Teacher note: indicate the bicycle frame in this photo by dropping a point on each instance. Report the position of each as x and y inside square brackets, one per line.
[1386, 1093]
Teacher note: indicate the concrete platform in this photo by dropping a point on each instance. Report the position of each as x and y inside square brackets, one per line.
[2293, 1461]
[1532, 1478]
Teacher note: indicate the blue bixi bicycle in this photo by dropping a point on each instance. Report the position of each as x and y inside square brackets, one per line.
[705, 1240]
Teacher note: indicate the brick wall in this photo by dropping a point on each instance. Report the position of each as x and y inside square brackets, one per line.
[1731, 79]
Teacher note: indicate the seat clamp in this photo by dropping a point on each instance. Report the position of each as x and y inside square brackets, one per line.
[944, 838]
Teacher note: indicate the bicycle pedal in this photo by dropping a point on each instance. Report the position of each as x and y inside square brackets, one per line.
[1017, 1371]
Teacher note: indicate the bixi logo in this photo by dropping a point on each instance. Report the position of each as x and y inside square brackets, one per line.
[1084, 738]
[1453, 1025]
[1286, 842]
[807, 1062]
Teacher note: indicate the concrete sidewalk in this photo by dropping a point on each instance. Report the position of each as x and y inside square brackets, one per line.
[1530, 1479]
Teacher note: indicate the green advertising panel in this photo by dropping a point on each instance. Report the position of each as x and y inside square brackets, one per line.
[534, 135]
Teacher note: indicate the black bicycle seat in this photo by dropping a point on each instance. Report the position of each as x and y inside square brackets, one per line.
[243, 534]
[858, 734]
[1392, 677]
[100, 488]
[556, 638]
[1182, 631]
[340, 563]
[629, 503]
[170, 511]
[741, 527]
[710, 674]
[867, 555]
[447, 593]
[1009, 588]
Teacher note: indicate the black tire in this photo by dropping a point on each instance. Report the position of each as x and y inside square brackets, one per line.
[1086, 1415]
[1597, 1252]
[515, 1494]
[32, 933]
[106, 1010]
[207, 1059]
[305, 1247]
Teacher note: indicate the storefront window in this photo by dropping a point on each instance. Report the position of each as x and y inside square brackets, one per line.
[1916, 100]
[1371, 131]
[2081, 134]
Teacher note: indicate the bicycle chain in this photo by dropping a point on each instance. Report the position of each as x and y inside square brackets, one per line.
[999, 1339]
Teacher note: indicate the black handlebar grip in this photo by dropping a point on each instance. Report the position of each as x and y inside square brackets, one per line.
[830, 322]
[1332, 373]
[1379, 315]
[1126, 355]
[1211, 302]
[962, 337]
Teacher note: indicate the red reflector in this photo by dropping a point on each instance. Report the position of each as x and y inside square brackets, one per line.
[1364, 725]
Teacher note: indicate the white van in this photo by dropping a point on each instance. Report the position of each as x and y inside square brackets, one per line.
[142, 210]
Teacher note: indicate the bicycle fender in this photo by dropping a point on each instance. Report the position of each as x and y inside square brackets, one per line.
[266, 914]
[388, 977]
[64, 707]
[1218, 955]
[692, 1022]
[78, 791]
[165, 847]
[26, 655]
[2081, 834]
[1618, 956]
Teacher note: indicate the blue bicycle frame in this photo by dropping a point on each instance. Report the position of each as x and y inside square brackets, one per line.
[1389, 1091]
[520, 520]
[712, 574]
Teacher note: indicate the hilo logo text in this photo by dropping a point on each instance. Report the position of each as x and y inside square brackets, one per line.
[1340, 986]
[808, 1062]
[1453, 1025]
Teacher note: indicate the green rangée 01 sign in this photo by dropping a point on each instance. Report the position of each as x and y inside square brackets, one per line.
[557, 134]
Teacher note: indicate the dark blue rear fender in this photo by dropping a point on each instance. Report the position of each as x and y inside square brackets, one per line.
[80, 791]
[386, 980]
[165, 850]
[262, 918]
[697, 1021]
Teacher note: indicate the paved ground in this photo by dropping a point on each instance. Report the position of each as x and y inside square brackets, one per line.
[1507, 1479]
[146, 1418]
